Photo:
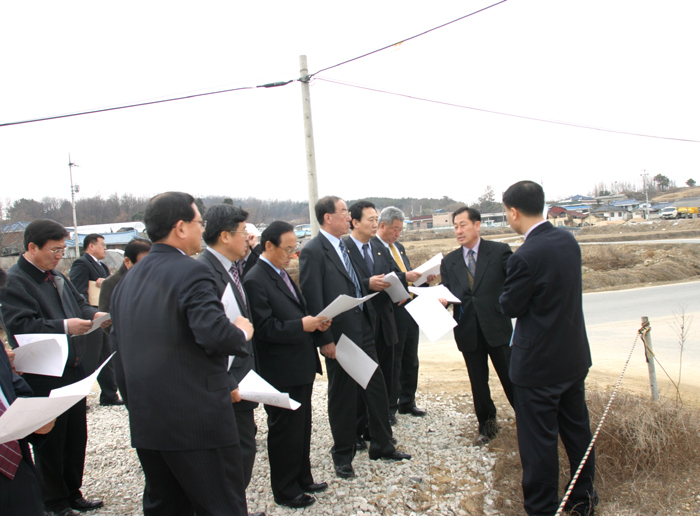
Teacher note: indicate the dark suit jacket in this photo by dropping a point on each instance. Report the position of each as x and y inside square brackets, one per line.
[174, 339]
[543, 290]
[287, 355]
[383, 305]
[323, 278]
[403, 318]
[31, 304]
[107, 289]
[240, 366]
[86, 269]
[480, 304]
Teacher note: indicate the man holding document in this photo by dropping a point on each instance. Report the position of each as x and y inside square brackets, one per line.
[288, 360]
[325, 272]
[39, 299]
[174, 339]
[226, 236]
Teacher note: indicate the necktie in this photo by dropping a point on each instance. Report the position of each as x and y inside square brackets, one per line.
[368, 259]
[241, 265]
[348, 267]
[237, 281]
[10, 454]
[286, 279]
[471, 266]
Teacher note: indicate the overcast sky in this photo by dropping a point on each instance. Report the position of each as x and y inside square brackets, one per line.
[626, 65]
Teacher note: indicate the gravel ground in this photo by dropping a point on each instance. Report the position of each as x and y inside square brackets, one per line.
[447, 475]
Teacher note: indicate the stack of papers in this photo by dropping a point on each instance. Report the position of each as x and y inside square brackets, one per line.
[41, 353]
[430, 267]
[254, 388]
[432, 318]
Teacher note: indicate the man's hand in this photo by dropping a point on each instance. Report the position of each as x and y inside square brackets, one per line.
[45, 429]
[235, 396]
[328, 350]
[413, 276]
[376, 283]
[430, 278]
[105, 324]
[98, 282]
[443, 301]
[312, 324]
[11, 357]
[79, 326]
[244, 324]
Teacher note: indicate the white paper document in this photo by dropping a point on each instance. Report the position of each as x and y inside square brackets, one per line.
[354, 361]
[26, 415]
[432, 266]
[52, 362]
[98, 322]
[43, 357]
[254, 388]
[436, 292]
[431, 317]
[232, 311]
[343, 303]
[396, 291]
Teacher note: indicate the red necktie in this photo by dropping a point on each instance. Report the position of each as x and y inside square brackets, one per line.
[10, 455]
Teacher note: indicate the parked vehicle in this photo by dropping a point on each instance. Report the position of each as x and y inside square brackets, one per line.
[682, 212]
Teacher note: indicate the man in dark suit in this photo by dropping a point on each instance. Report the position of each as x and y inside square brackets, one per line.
[88, 268]
[402, 397]
[136, 249]
[174, 339]
[475, 273]
[39, 299]
[289, 361]
[371, 263]
[20, 494]
[325, 272]
[226, 236]
[551, 356]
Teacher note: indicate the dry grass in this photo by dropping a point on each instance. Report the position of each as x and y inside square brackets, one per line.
[647, 459]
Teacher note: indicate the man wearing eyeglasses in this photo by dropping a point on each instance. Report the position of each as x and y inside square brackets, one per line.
[87, 270]
[227, 240]
[39, 299]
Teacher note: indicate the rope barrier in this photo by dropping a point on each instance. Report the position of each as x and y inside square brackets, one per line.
[641, 332]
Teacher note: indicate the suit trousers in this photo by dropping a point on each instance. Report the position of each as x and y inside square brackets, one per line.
[245, 421]
[385, 357]
[342, 405]
[98, 348]
[182, 483]
[21, 496]
[405, 377]
[543, 414]
[478, 369]
[61, 458]
[289, 444]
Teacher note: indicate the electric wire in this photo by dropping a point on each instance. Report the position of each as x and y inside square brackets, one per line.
[408, 39]
[493, 112]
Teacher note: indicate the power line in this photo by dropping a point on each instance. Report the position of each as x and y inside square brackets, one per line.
[409, 39]
[570, 124]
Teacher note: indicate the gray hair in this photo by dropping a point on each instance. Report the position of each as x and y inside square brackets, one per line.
[390, 214]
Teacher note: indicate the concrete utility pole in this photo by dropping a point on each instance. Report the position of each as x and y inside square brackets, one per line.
[309, 139]
[74, 190]
[646, 193]
[649, 354]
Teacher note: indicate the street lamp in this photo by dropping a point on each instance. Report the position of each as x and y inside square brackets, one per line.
[74, 189]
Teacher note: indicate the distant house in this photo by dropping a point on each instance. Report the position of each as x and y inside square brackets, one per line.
[12, 238]
[422, 222]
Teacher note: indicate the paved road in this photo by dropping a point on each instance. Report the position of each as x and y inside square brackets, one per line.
[612, 320]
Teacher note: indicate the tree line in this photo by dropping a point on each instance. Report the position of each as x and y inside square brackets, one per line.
[128, 207]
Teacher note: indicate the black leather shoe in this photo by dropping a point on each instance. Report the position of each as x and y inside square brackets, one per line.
[345, 471]
[393, 441]
[413, 411]
[315, 488]
[360, 444]
[303, 500]
[482, 440]
[65, 512]
[112, 403]
[396, 455]
[392, 419]
[81, 504]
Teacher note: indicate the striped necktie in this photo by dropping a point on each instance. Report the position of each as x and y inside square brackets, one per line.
[237, 281]
[349, 268]
[288, 282]
[10, 454]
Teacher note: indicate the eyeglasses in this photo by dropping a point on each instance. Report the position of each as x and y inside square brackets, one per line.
[288, 251]
[202, 223]
[244, 232]
[58, 251]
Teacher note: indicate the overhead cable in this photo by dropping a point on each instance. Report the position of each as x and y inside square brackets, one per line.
[524, 117]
